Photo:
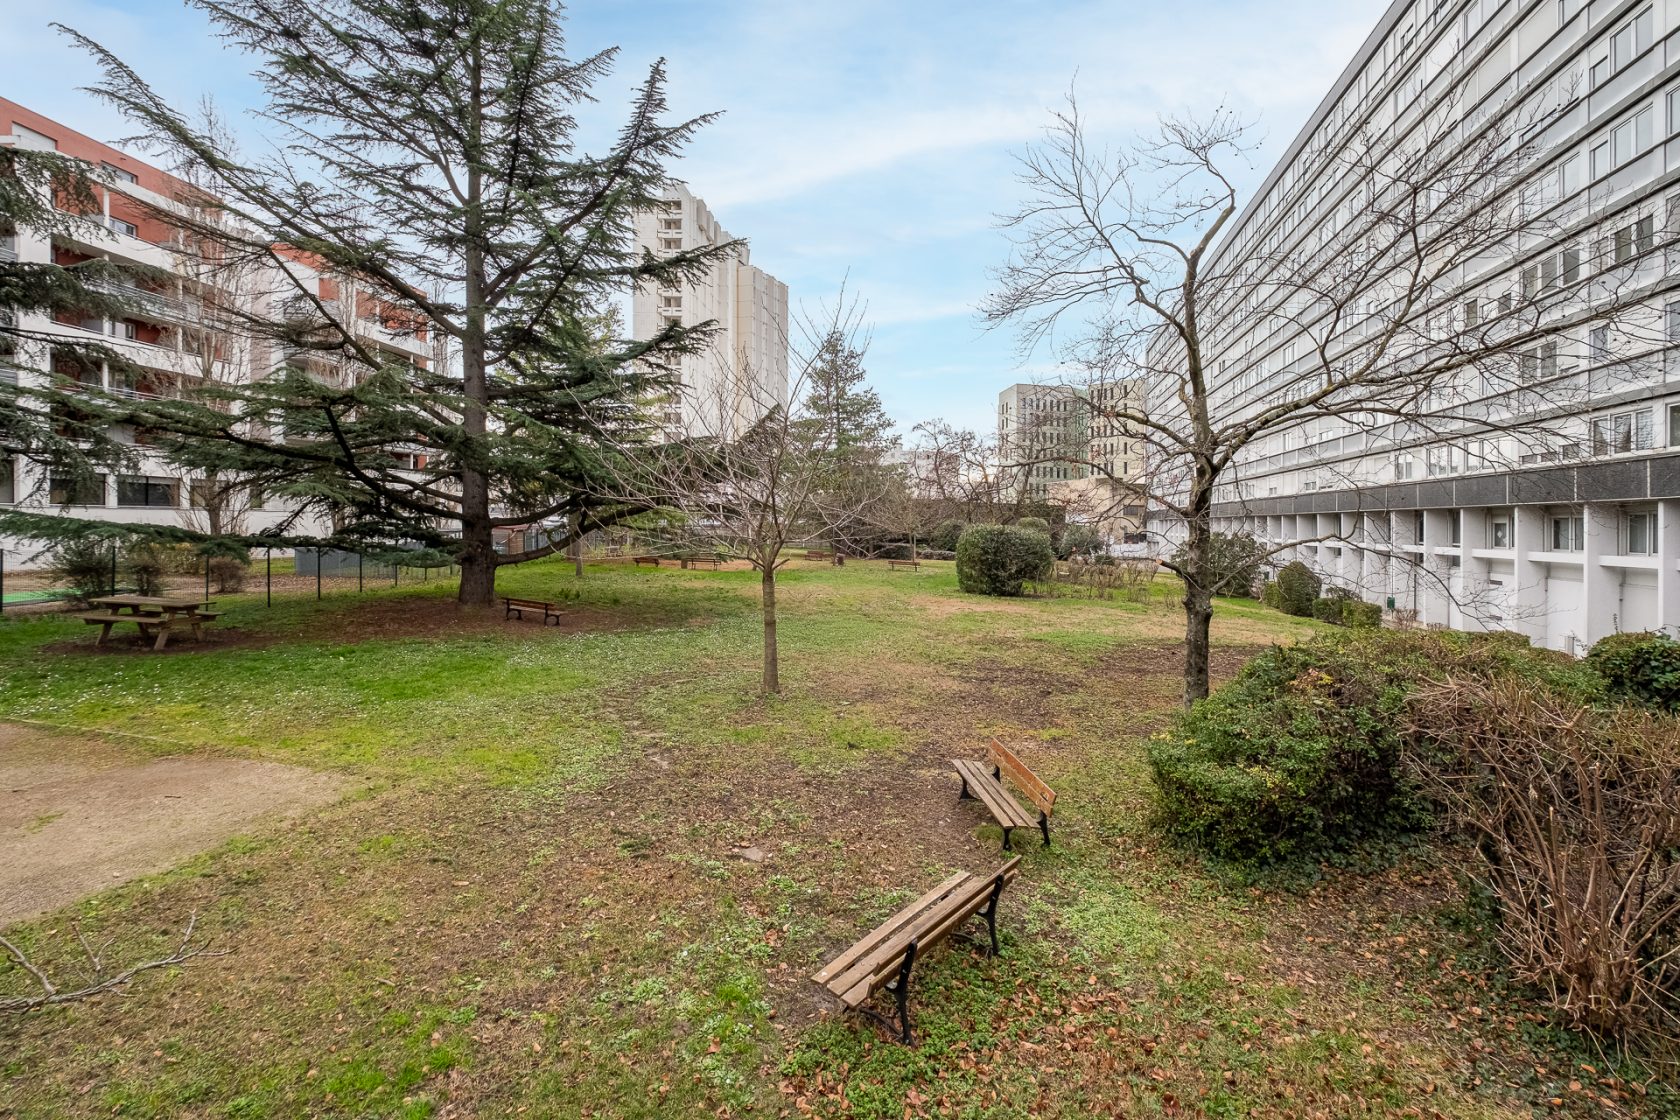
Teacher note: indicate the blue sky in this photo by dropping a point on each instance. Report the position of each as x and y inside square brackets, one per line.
[864, 142]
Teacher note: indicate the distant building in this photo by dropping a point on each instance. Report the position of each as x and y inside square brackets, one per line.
[726, 388]
[1044, 437]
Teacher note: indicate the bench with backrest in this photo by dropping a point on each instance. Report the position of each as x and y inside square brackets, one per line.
[984, 782]
[910, 565]
[818, 554]
[885, 957]
[520, 606]
[640, 560]
[695, 561]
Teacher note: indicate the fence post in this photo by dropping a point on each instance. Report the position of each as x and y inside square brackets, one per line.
[2, 581]
[359, 587]
[317, 575]
[269, 594]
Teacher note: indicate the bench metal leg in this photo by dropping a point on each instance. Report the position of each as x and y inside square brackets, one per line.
[1006, 831]
[901, 994]
[1044, 827]
[991, 912]
[965, 795]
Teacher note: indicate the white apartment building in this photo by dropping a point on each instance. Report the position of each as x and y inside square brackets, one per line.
[1044, 437]
[1567, 539]
[172, 340]
[730, 385]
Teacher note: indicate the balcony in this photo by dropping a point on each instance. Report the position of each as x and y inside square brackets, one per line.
[148, 303]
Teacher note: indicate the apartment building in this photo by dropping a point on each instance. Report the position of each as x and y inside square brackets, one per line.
[1044, 437]
[1557, 513]
[745, 368]
[179, 335]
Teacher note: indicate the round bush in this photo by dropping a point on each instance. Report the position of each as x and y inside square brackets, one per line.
[1297, 587]
[944, 535]
[1079, 542]
[1360, 615]
[999, 559]
[1036, 524]
[1643, 668]
[1234, 564]
[1328, 610]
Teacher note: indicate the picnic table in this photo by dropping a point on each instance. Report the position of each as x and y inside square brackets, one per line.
[154, 615]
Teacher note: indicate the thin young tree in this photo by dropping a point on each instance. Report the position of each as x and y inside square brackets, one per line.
[756, 491]
[1124, 265]
[431, 160]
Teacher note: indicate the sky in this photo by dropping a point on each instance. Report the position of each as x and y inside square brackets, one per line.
[868, 145]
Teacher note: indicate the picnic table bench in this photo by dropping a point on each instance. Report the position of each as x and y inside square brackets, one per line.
[520, 606]
[153, 616]
[989, 790]
[884, 958]
[912, 565]
[640, 560]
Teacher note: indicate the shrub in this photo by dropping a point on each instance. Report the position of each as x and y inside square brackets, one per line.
[229, 574]
[1302, 753]
[1578, 813]
[944, 535]
[1079, 542]
[146, 561]
[1033, 524]
[85, 566]
[1327, 609]
[1297, 588]
[1643, 668]
[1000, 559]
[1298, 755]
[1235, 562]
[1360, 615]
[1271, 596]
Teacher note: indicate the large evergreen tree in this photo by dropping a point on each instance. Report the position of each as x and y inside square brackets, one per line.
[856, 436]
[432, 159]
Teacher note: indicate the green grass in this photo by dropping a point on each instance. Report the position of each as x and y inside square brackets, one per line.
[533, 905]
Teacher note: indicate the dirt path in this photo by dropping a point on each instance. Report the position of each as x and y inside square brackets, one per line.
[78, 815]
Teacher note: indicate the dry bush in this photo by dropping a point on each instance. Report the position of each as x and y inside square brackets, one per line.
[1129, 579]
[1578, 813]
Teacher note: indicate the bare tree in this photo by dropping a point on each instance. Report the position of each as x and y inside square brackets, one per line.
[752, 492]
[963, 474]
[1408, 304]
[99, 979]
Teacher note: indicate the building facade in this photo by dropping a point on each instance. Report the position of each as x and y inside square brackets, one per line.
[181, 335]
[1566, 535]
[745, 368]
[1044, 438]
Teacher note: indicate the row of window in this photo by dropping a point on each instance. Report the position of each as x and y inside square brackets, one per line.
[133, 491]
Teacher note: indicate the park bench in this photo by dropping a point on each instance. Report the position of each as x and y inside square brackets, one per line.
[520, 606]
[885, 957]
[640, 560]
[818, 554]
[697, 561]
[988, 788]
[912, 565]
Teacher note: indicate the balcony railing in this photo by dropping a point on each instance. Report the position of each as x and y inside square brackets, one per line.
[144, 300]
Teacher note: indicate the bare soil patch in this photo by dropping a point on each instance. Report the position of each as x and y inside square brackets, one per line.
[80, 815]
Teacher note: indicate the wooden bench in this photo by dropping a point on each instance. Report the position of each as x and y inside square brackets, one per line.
[520, 606]
[912, 565]
[640, 560]
[697, 561]
[154, 626]
[818, 554]
[887, 954]
[988, 788]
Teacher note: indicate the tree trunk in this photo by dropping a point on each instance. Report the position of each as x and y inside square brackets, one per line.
[1198, 617]
[478, 564]
[577, 558]
[772, 673]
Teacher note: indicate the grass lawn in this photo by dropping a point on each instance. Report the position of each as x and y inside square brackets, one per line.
[533, 902]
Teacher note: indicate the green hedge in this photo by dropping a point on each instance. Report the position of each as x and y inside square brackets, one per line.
[1001, 559]
[1328, 610]
[1297, 587]
[1300, 754]
[1643, 668]
[1360, 615]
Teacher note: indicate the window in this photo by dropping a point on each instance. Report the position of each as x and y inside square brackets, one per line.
[1671, 322]
[1569, 534]
[1598, 344]
[1455, 521]
[1472, 313]
[139, 490]
[1674, 425]
[1631, 40]
[8, 480]
[670, 244]
[1626, 141]
[201, 492]
[1621, 433]
[76, 490]
[1403, 467]
[121, 226]
[118, 173]
[1538, 364]
[1417, 527]
[1499, 531]
[1639, 534]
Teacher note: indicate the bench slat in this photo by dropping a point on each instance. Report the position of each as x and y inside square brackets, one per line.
[932, 926]
[1004, 808]
[881, 932]
[1029, 783]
